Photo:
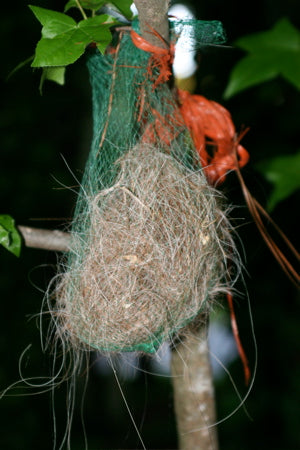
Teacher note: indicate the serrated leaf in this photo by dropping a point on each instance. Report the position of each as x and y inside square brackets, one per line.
[9, 235]
[283, 173]
[63, 42]
[97, 30]
[270, 54]
[94, 26]
[59, 51]
[54, 23]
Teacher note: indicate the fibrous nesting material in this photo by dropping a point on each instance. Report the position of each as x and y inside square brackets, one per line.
[149, 241]
[152, 257]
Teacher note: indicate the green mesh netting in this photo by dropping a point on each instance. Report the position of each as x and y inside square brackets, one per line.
[149, 241]
[200, 32]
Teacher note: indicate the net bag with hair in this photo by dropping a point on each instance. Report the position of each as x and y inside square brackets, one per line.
[149, 238]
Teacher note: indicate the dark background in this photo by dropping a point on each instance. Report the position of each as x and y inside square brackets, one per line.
[35, 131]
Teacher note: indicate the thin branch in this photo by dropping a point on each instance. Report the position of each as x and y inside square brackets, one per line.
[193, 391]
[56, 240]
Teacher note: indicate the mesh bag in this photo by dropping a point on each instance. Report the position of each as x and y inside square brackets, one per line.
[149, 239]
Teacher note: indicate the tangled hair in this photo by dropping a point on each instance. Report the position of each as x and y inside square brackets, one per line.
[152, 258]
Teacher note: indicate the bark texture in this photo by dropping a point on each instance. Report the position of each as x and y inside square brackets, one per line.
[153, 16]
[194, 391]
[45, 239]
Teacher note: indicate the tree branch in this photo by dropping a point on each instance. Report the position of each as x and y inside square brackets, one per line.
[193, 390]
[153, 16]
[191, 371]
[45, 239]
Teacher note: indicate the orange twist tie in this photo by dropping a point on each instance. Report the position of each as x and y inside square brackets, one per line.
[161, 58]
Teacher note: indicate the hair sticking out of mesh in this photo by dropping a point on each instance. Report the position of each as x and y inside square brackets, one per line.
[153, 257]
[150, 240]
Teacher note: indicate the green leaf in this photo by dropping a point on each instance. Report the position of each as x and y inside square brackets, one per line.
[64, 41]
[249, 72]
[96, 29]
[9, 235]
[59, 51]
[270, 54]
[283, 173]
[101, 46]
[56, 74]
[124, 7]
[69, 5]
[54, 23]
[93, 5]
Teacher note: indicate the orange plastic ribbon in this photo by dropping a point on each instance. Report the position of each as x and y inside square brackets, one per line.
[218, 146]
[161, 58]
[211, 126]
